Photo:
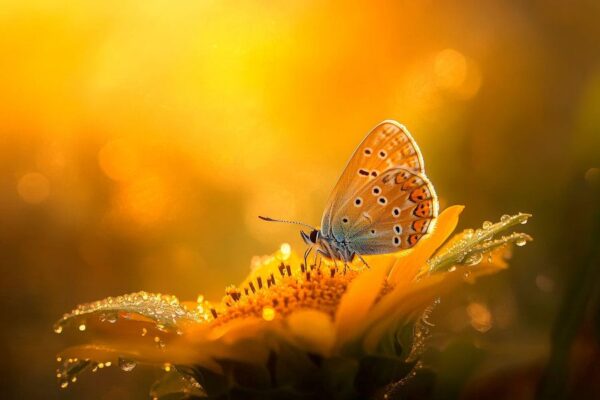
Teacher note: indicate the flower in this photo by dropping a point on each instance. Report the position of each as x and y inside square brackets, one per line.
[289, 330]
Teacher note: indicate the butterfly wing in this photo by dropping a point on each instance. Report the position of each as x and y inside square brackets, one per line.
[389, 145]
[389, 214]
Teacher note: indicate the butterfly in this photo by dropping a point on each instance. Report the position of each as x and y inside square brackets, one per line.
[382, 203]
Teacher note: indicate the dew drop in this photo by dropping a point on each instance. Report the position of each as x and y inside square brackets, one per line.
[487, 225]
[521, 242]
[127, 365]
[159, 343]
[474, 259]
[64, 385]
[111, 318]
[524, 222]
[505, 218]
[82, 327]
[58, 329]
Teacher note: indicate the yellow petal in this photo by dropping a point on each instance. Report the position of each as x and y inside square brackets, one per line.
[357, 301]
[404, 305]
[266, 265]
[408, 266]
[409, 301]
[312, 330]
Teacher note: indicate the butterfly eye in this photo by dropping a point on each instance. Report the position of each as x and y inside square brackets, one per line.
[358, 202]
[396, 212]
[376, 190]
[382, 200]
[368, 152]
[398, 229]
[382, 154]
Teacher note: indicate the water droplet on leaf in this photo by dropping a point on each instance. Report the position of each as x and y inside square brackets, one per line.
[473, 259]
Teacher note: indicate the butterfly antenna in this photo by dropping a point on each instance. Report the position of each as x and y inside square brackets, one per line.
[268, 219]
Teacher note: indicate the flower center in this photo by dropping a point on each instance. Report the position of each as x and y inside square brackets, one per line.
[315, 288]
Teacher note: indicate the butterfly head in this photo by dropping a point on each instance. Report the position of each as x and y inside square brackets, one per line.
[312, 237]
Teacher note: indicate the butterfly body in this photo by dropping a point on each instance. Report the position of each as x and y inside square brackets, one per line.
[382, 203]
[329, 246]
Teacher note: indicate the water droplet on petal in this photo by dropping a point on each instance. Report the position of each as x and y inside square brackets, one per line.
[127, 365]
[111, 318]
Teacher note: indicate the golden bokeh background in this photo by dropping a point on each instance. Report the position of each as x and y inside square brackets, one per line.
[139, 140]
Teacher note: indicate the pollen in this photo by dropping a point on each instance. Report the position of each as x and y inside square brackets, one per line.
[319, 288]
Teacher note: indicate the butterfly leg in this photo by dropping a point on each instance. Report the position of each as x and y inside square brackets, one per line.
[327, 251]
[363, 260]
[306, 254]
[323, 253]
